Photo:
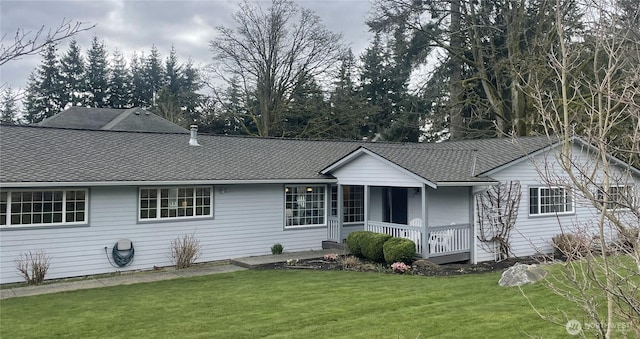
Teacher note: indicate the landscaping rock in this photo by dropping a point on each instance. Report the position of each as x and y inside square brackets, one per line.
[520, 274]
[423, 263]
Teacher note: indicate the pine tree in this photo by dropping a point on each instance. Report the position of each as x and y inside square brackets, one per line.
[45, 90]
[153, 75]
[349, 109]
[139, 86]
[97, 73]
[72, 76]
[8, 109]
[119, 95]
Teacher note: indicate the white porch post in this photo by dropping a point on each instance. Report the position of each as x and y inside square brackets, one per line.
[366, 206]
[340, 211]
[425, 222]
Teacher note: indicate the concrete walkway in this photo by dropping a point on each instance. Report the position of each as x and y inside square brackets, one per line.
[127, 278]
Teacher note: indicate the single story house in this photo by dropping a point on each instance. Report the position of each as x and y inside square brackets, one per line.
[75, 193]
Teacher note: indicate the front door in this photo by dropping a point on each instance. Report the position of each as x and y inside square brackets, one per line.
[395, 200]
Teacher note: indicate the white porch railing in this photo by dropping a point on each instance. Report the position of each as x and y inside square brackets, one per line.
[450, 239]
[333, 229]
[412, 233]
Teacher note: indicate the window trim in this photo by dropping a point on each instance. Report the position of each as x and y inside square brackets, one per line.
[64, 223]
[158, 198]
[325, 207]
[567, 193]
[345, 208]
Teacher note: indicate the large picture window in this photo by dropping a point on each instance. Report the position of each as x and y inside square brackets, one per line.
[43, 207]
[305, 205]
[175, 202]
[549, 200]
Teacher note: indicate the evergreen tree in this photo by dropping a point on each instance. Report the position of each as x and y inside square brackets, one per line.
[308, 115]
[8, 109]
[119, 95]
[45, 91]
[72, 77]
[153, 75]
[349, 109]
[97, 73]
[139, 97]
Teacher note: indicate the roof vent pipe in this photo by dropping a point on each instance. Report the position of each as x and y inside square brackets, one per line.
[193, 141]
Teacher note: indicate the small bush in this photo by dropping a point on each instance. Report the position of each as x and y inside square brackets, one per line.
[570, 245]
[350, 262]
[399, 249]
[354, 242]
[630, 238]
[372, 246]
[185, 251]
[277, 249]
[400, 267]
[33, 266]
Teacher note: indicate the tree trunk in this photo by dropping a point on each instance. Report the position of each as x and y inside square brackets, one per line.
[456, 128]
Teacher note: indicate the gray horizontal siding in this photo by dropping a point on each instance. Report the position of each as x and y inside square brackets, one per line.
[248, 220]
[367, 170]
[533, 234]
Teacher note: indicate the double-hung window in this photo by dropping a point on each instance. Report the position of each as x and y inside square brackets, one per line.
[159, 203]
[550, 200]
[43, 207]
[305, 205]
[619, 196]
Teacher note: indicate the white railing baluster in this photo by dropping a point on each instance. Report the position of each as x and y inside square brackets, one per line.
[413, 233]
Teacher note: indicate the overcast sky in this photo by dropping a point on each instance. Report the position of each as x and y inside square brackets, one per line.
[135, 25]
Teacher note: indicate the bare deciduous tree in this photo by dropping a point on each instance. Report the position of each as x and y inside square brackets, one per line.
[598, 80]
[29, 43]
[268, 52]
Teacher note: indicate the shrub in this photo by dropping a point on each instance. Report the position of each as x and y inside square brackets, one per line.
[354, 242]
[350, 262]
[33, 266]
[277, 249]
[399, 249]
[570, 245]
[372, 246]
[400, 267]
[630, 238]
[185, 251]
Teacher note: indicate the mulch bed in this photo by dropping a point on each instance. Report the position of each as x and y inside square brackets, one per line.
[419, 267]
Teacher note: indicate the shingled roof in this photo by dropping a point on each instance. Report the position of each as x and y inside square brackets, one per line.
[37, 155]
[131, 119]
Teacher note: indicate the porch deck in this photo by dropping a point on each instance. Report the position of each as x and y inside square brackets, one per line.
[441, 244]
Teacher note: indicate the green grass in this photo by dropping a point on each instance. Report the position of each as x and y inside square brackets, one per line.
[280, 303]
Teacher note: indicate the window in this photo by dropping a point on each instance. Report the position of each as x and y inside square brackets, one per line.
[304, 205]
[43, 207]
[353, 203]
[549, 200]
[175, 202]
[619, 196]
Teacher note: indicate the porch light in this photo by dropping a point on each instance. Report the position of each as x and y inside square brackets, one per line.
[309, 189]
[286, 189]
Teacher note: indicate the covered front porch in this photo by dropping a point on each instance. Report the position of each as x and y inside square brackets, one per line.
[438, 220]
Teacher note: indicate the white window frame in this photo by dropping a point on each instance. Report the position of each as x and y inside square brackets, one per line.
[567, 196]
[614, 205]
[290, 206]
[158, 203]
[8, 214]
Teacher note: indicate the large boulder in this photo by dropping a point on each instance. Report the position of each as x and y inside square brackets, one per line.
[520, 274]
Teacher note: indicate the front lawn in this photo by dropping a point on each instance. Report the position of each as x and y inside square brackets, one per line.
[283, 303]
